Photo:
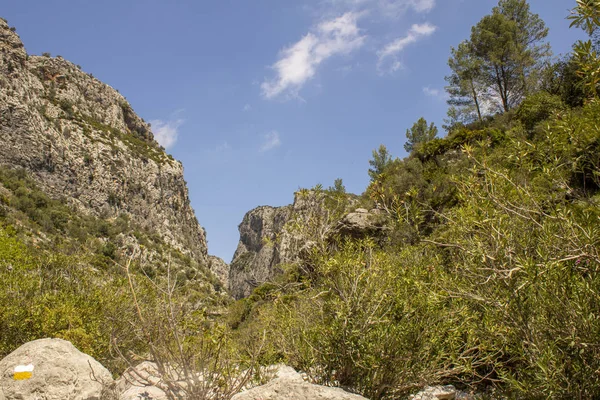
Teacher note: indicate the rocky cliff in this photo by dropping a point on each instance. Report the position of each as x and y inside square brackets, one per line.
[259, 250]
[81, 141]
[271, 236]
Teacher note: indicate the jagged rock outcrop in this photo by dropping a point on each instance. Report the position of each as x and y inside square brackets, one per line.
[58, 371]
[220, 269]
[361, 223]
[81, 141]
[259, 250]
[270, 236]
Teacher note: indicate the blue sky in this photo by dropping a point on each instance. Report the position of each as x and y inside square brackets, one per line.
[258, 98]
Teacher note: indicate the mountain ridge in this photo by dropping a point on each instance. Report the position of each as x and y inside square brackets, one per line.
[81, 141]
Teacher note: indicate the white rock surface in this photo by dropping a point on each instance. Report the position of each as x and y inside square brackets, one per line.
[61, 372]
[289, 385]
[447, 392]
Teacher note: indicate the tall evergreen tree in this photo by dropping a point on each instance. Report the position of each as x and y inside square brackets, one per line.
[510, 44]
[464, 85]
[381, 159]
[419, 133]
[501, 63]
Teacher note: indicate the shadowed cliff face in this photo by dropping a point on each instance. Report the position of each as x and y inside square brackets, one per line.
[81, 140]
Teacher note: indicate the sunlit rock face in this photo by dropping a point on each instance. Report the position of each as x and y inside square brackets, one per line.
[259, 250]
[81, 141]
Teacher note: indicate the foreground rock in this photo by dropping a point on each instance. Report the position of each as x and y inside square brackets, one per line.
[141, 382]
[60, 372]
[447, 392]
[289, 385]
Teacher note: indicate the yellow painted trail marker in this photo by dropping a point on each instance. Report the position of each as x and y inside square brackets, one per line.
[23, 372]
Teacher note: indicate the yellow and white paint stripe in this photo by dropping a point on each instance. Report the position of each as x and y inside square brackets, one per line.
[23, 372]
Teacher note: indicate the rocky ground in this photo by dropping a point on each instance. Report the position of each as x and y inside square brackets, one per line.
[56, 370]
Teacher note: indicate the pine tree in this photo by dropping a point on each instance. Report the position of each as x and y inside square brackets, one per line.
[419, 133]
[500, 64]
[509, 44]
[381, 159]
[464, 85]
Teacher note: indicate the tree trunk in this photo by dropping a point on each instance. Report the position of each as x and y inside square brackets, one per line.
[476, 100]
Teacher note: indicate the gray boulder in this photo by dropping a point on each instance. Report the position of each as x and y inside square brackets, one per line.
[60, 372]
[289, 385]
[362, 223]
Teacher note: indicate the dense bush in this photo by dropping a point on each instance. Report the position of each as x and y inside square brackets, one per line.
[538, 107]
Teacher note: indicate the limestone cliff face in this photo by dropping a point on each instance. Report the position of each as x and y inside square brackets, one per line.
[271, 236]
[220, 269]
[80, 139]
[259, 251]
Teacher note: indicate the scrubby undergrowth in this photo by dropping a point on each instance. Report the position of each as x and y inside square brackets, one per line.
[490, 278]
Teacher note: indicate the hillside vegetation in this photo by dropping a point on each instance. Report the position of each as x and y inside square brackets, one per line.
[488, 275]
[63, 275]
[483, 270]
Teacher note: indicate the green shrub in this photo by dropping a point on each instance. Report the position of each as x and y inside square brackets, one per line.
[537, 108]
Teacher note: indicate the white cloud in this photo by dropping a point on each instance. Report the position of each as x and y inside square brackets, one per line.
[396, 8]
[392, 49]
[271, 141]
[247, 107]
[435, 93]
[432, 92]
[299, 62]
[396, 65]
[166, 132]
[422, 5]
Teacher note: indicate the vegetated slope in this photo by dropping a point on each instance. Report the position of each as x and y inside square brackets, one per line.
[489, 274]
[80, 140]
[92, 210]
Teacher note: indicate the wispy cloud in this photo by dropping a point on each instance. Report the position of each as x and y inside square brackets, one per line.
[270, 141]
[298, 63]
[435, 93]
[166, 132]
[388, 54]
[247, 107]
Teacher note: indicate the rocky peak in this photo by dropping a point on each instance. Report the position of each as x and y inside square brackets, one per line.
[258, 251]
[220, 269]
[271, 236]
[10, 44]
[81, 140]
